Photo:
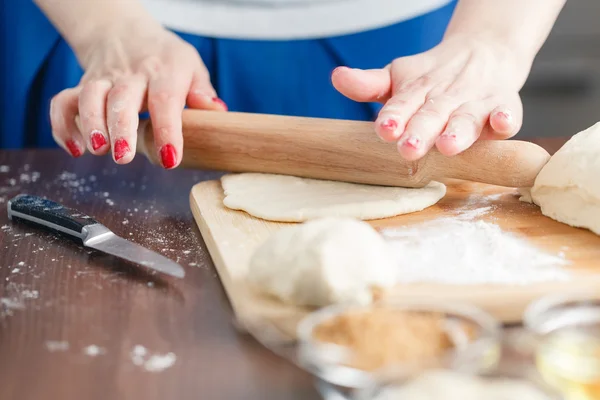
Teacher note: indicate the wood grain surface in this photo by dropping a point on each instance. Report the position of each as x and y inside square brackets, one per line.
[53, 291]
[232, 236]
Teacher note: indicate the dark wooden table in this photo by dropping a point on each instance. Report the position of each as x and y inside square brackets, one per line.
[57, 299]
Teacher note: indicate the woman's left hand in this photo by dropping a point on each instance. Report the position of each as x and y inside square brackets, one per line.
[464, 89]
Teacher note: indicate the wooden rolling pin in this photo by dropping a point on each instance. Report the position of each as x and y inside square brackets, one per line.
[338, 150]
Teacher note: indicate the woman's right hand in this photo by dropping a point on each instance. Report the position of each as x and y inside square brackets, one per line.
[130, 68]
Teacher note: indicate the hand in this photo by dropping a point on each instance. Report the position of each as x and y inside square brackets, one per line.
[464, 89]
[130, 68]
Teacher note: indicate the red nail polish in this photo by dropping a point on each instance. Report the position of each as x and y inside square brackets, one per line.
[413, 142]
[97, 139]
[448, 136]
[168, 156]
[73, 148]
[389, 124]
[220, 102]
[504, 115]
[121, 149]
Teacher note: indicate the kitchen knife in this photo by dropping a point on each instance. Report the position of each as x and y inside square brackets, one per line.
[336, 150]
[90, 233]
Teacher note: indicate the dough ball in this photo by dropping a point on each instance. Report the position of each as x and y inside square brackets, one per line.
[568, 187]
[291, 199]
[322, 262]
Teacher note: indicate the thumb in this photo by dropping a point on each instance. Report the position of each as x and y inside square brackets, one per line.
[363, 85]
[202, 95]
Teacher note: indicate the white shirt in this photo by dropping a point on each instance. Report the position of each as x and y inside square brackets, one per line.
[285, 19]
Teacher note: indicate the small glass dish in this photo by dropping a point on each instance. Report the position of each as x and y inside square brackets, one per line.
[565, 333]
[329, 362]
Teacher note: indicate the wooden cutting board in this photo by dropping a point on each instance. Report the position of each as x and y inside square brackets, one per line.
[232, 236]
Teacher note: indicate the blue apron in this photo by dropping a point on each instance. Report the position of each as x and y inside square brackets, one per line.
[275, 77]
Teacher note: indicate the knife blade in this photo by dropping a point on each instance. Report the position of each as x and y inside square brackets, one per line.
[87, 231]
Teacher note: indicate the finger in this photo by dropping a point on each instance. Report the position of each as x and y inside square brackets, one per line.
[92, 115]
[407, 98]
[123, 104]
[63, 110]
[202, 95]
[426, 125]
[373, 85]
[506, 120]
[166, 99]
[464, 127]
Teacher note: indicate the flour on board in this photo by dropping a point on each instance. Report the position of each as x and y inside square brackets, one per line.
[470, 252]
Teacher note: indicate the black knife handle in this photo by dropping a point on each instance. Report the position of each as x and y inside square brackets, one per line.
[49, 214]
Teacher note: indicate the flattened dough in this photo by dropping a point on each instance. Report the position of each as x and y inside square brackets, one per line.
[568, 187]
[291, 199]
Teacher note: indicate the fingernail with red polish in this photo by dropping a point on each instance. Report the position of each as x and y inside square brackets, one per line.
[413, 142]
[121, 149]
[389, 125]
[97, 139]
[73, 148]
[505, 114]
[168, 156]
[220, 102]
[449, 136]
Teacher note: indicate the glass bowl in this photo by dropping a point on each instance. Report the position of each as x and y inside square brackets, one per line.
[329, 362]
[565, 333]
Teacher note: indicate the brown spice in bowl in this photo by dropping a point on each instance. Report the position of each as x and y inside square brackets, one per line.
[384, 336]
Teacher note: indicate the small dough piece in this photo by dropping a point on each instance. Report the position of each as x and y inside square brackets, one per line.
[286, 198]
[324, 261]
[525, 195]
[568, 187]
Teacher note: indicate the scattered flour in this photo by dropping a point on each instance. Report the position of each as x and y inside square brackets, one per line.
[158, 363]
[55, 345]
[30, 294]
[11, 304]
[4, 169]
[470, 252]
[155, 363]
[138, 354]
[93, 350]
[469, 215]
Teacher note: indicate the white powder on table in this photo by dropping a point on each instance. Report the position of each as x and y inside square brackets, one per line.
[159, 362]
[155, 363]
[93, 350]
[469, 252]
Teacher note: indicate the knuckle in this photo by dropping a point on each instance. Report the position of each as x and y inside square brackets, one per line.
[93, 87]
[422, 82]
[122, 122]
[118, 92]
[89, 116]
[395, 106]
[430, 112]
[151, 65]
[161, 99]
[469, 116]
